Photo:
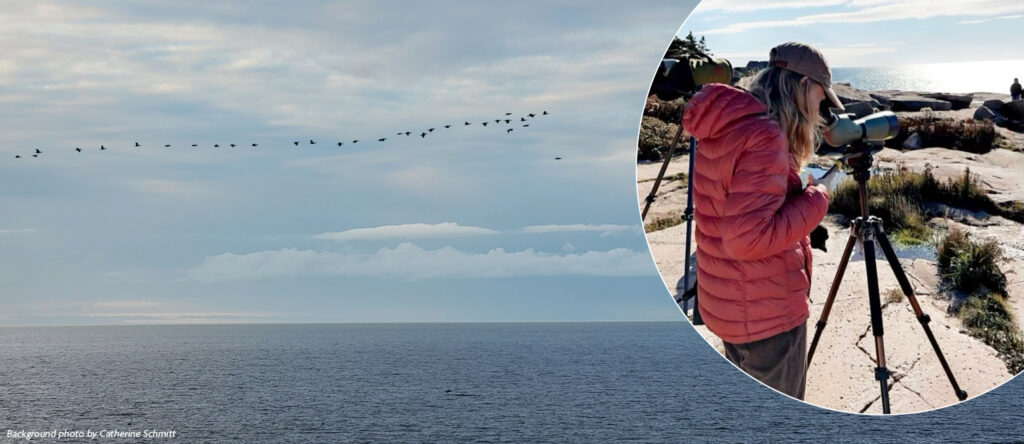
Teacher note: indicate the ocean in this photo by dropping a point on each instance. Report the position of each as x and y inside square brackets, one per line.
[489, 382]
[958, 77]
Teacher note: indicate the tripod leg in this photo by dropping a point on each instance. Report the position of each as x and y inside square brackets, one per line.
[854, 229]
[881, 372]
[894, 263]
[661, 174]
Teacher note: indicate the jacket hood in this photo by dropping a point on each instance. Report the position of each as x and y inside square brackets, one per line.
[717, 106]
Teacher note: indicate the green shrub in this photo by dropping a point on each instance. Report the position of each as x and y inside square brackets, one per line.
[975, 136]
[662, 223]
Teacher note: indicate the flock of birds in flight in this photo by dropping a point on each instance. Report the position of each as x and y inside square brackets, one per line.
[508, 120]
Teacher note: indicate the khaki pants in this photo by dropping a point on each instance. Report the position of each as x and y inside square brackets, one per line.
[780, 361]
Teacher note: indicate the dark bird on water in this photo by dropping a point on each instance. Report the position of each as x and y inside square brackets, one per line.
[78, 149]
[423, 134]
[382, 139]
[311, 142]
[447, 126]
[508, 130]
[296, 143]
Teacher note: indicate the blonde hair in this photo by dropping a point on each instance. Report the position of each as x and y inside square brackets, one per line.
[785, 94]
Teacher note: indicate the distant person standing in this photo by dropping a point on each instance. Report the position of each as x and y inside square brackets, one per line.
[1015, 90]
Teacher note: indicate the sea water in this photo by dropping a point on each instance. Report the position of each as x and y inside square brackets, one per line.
[959, 77]
[514, 382]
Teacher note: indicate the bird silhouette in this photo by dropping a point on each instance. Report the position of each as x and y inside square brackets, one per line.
[216, 145]
[232, 145]
[311, 142]
[558, 158]
[339, 143]
[447, 126]
[526, 125]
[38, 152]
[508, 121]
[102, 147]
[497, 120]
[167, 146]
[544, 113]
[531, 115]
[522, 119]
[399, 133]
[467, 123]
[137, 144]
[355, 141]
[78, 149]
[194, 145]
[16, 156]
[408, 133]
[296, 143]
[485, 123]
[255, 144]
[509, 130]
[382, 139]
[430, 130]
[423, 135]
[508, 114]
[35, 155]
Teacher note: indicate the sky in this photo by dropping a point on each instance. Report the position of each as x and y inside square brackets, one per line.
[470, 223]
[865, 33]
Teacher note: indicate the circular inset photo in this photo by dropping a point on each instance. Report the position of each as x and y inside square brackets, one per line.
[834, 196]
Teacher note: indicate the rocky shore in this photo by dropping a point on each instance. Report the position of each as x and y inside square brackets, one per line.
[841, 376]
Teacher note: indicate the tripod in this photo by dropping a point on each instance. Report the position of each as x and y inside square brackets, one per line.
[688, 293]
[866, 229]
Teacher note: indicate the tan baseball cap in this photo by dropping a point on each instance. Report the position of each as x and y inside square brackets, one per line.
[803, 59]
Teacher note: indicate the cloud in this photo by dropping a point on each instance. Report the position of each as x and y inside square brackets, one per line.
[604, 229]
[408, 261]
[126, 304]
[406, 231]
[758, 5]
[18, 231]
[865, 11]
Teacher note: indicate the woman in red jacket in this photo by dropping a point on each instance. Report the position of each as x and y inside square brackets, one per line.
[753, 215]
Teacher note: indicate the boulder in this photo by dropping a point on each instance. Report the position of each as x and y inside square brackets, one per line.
[913, 142]
[994, 105]
[755, 65]
[860, 109]
[1013, 110]
[847, 94]
[984, 113]
[910, 102]
[957, 101]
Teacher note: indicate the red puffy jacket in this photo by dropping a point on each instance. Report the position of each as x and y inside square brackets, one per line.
[752, 218]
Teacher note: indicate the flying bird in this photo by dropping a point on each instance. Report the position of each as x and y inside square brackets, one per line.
[423, 135]
[382, 139]
[485, 123]
[430, 130]
[167, 146]
[355, 141]
[17, 156]
[522, 119]
[339, 143]
[558, 158]
[102, 147]
[311, 142]
[509, 130]
[194, 145]
[497, 120]
[447, 126]
[35, 155]
[399, 133]
[232, 145]
[508, 114]
[531, 114]
[296, 143]
[408, 133]
[78, 149]
[255, 144]
[467, 123]
[137, 144]
[38, 152]
[216, 145]
[544, 113]
[526, 125]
